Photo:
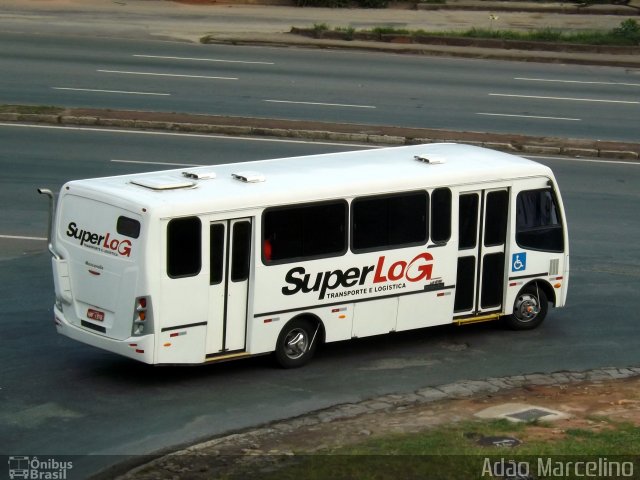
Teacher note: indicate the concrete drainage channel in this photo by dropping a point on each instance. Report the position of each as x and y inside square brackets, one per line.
[322, 131]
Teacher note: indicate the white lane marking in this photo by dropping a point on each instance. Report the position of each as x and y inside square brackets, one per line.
[177, 134]
[142, 162]
[251, 139]
[528, 116]
[125, 72]
[21, 237]
[584, 160]
[321, 104]
[203, 59]
[583, 82]
[109, 91]
[564, 98]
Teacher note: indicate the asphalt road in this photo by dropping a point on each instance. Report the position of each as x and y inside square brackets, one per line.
[352, 87]
[60, 397]
[189, 21]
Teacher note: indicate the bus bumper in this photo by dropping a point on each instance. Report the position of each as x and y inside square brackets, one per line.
[139, 348]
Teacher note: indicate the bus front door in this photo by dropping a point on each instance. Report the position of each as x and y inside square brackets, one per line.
[482, 235]
[230, 260]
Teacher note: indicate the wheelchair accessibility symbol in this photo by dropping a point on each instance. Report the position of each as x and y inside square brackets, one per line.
[519, 262]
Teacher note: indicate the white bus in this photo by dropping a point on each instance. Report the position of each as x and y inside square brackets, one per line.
[223, 262]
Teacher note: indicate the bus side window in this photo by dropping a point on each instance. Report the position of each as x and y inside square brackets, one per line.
[441, 215]
[538, 225]
[184, 244]
[315, 230]
[389, 221]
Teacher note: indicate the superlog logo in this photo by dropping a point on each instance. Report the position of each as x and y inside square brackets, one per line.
[418, 269]
[105, 243]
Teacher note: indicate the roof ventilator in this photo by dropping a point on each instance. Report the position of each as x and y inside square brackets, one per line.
[204, 175]
[249, 177]
[430, 159]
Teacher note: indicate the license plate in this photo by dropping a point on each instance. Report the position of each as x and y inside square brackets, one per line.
[95, 315]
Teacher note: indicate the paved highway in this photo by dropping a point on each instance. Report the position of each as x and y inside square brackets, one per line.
[354, 87]
[61, 397]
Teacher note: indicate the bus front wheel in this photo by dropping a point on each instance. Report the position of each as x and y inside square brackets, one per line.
[296, 343]
[529, 309]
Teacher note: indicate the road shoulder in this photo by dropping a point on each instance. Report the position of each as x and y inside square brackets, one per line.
[586, 400]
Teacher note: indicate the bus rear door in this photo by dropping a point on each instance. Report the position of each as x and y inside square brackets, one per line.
[230, 257]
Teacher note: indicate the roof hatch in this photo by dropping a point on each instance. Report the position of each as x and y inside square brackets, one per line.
[165, 182]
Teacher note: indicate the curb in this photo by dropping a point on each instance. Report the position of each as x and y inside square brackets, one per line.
[439, 48]
[461, 41]
[564, 9]
[323, 131]
[386, 403]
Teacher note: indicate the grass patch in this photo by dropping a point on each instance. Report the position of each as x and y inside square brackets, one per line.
[451, 452]
[348, 32]
[320, 27]
[616, 439]
[618, 36]
[31, 109]
[626, 34]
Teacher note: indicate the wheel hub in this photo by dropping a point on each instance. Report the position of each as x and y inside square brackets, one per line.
[296, 344]
[527, 308]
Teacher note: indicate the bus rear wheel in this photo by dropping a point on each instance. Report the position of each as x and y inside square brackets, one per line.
[529, 309]
[296, 343]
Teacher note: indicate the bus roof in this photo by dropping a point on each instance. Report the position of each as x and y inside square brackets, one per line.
[236, 186]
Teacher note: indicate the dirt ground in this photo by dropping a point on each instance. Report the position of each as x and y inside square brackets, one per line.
[588, 405]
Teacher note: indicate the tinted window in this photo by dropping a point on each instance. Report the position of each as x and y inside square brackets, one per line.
[465, 283]
[306, 231]
[468, 221]
[492, 280]
[240, 251]
[495, 224]
[216, 253]
[538, 225]
[184, 242]
[390, 221]
[441, 215]
[128, 227]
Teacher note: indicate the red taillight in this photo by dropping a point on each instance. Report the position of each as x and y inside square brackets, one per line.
[141, 317]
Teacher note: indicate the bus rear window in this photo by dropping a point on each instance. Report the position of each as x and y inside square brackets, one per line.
[128, 227]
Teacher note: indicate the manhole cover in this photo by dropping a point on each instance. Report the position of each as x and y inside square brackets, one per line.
[530, 415]
[498, 442]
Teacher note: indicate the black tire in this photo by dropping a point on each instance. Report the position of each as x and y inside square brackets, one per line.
[296, 343]
[529, 309]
